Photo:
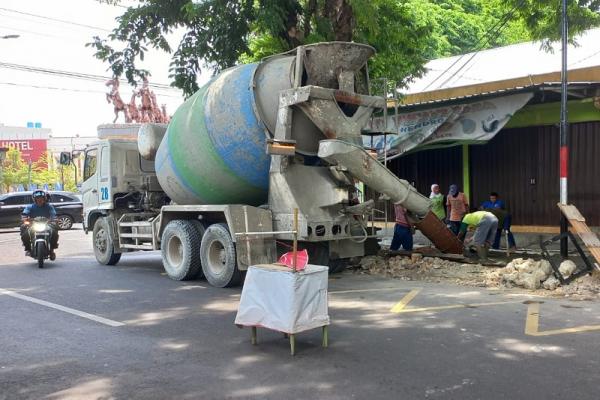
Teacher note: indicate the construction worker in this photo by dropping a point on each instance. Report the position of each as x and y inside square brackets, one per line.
[437, 202]
[402, 230]
[497, 206]
[485, 224]
[457, 204]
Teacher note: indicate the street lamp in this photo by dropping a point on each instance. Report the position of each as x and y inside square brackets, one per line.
[10, 37]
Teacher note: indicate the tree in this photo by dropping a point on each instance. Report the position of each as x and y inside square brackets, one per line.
[543, 17]
[405, 33]
[221, 33]
[16, 171]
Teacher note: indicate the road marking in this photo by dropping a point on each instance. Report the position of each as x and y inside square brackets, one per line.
[400, 307]
[533, 320]
[454, 306]
[81, 314]
[361, 290]
[405, 300]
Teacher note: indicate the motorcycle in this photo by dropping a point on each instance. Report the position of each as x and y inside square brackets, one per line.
[39, 235]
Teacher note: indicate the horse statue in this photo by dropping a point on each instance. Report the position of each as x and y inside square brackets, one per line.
[115, 98]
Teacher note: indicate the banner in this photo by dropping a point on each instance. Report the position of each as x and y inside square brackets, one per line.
[467, 123]
[31, 149]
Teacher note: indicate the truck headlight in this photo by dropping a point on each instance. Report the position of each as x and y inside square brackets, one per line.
[39, 226]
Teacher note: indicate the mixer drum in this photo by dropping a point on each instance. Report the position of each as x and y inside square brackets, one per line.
[214, 148]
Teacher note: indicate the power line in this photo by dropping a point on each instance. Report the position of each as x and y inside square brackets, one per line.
[55, 19]
[65, 89]
[50, 87]
[74, 75]
[67, 38]
[497, 33]
[479, 45]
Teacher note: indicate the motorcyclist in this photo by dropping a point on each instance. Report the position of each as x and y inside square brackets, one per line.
[40, 208]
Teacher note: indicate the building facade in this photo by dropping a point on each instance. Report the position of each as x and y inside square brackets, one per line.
[494, 126]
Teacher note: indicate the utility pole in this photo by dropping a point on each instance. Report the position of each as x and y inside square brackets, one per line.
[564, 132]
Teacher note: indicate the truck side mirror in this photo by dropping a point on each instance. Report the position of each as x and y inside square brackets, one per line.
[65, 158]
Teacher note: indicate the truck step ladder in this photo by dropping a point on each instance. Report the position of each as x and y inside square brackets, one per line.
[137, 231]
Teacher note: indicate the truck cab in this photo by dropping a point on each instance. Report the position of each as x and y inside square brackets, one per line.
[114, 175]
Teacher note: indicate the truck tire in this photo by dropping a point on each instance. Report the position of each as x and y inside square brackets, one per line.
[219, 261]
[179, 248]
[337, 265]
[200, 228]
[104, 248]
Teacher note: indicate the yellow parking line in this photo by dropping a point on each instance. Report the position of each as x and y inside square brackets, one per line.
[533, 319]
[361, 290]
[454, 306]
[405, 300]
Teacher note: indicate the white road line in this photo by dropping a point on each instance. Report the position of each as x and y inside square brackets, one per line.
[81, 314]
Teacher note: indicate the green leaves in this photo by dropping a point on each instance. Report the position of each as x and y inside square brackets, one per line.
[406, 33]
[543, 17]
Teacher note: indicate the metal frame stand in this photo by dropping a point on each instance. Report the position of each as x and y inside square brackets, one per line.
[589, 266]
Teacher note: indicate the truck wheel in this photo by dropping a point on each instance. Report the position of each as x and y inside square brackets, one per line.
[337, 265]
[179, 249]
[219, 261]
[104, 248]
[200, 228]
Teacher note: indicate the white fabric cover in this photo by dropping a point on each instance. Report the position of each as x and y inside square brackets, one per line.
[276, 298]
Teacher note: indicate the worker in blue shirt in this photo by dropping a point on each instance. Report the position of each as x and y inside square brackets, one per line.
[39, 208]
[494, 202]
[497, 206]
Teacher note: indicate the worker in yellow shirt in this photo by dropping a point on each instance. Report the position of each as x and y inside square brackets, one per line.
[485, 224]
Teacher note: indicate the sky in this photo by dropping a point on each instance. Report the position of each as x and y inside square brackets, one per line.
[67, 106]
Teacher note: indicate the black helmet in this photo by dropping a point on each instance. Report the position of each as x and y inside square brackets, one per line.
[39, 193]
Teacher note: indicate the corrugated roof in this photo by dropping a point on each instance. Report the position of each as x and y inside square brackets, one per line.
[504, 68]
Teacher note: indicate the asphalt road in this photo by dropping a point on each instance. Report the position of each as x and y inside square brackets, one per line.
[79, 330]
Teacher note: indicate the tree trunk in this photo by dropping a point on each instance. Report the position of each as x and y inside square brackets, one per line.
[311, 9]
[341, 17]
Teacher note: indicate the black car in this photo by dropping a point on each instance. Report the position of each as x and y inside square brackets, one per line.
[69, 208]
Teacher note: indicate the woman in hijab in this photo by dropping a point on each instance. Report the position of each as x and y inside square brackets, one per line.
[437, 202]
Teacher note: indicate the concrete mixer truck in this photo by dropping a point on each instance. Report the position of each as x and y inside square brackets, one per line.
[216, 189]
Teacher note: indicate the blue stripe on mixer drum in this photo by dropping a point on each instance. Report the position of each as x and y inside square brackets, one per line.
[237, 135]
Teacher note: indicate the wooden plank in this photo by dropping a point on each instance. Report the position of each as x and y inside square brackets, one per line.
[535, 229]
[589, 238]
[571, 212]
